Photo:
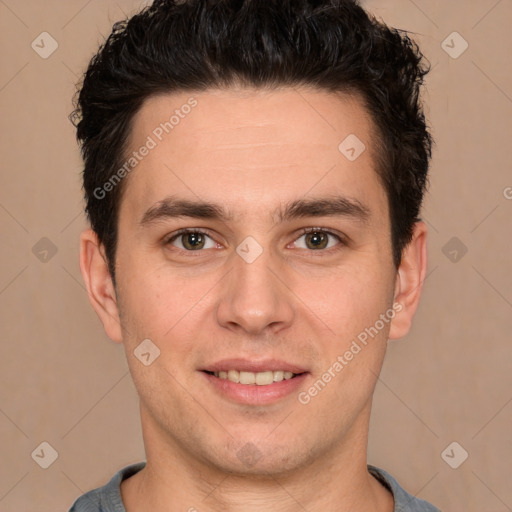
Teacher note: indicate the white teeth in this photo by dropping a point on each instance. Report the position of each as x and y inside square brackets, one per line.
[247, 378]
[278, 376]
[259, 378]
[233, 376]
[264, 378]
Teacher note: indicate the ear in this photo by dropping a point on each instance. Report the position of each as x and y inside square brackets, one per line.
[99, 285]
[409, 282]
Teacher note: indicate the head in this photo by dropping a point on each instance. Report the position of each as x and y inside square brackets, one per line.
[331, 46]
[246, 107]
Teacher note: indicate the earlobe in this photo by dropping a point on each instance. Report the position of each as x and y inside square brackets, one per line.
[99, 285]
[409, 282]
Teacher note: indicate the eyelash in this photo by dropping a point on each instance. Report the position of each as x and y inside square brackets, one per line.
[304, 231]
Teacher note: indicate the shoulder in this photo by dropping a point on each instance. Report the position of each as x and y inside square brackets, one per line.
[404, 502]
[108, 497]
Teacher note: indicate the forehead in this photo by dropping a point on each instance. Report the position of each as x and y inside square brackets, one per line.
[262, 146]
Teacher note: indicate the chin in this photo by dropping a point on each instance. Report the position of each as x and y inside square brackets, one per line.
[259, 459]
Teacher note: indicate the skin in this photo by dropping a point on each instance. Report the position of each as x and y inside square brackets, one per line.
[252, 152]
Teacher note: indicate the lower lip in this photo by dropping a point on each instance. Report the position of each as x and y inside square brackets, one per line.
[252, 394]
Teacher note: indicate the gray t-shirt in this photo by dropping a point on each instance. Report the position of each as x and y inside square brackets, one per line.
[108, 497]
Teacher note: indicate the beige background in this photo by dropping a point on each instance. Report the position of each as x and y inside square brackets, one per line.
[62, 381]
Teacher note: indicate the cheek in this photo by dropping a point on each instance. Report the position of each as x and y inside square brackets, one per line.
[152, 300]
[171, 311]
[348, 299]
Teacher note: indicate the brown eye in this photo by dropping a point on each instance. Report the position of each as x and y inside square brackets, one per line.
[316, 239]
[191, 241]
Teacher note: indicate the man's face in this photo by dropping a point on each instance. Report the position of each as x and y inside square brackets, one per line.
[252, 291]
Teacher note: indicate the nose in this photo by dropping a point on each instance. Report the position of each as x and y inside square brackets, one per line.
[255, 297]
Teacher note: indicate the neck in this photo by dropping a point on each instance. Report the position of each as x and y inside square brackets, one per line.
[176, 480]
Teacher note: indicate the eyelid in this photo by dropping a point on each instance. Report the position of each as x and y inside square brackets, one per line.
[327, 231]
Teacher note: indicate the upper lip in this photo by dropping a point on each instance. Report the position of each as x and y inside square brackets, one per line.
[254, 366]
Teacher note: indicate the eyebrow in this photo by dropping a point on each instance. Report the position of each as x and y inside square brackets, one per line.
[334, 206]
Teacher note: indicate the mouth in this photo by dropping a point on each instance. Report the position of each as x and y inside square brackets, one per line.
[254, 383]
[264, 378]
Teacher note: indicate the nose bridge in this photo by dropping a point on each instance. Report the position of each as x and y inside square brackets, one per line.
[254, 277]
[254, 297]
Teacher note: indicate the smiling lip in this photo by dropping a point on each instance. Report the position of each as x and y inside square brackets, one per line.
[253, 394]
[246, 365]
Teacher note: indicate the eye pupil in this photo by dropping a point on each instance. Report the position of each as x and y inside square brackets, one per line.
[318, 239]
[192, 241]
